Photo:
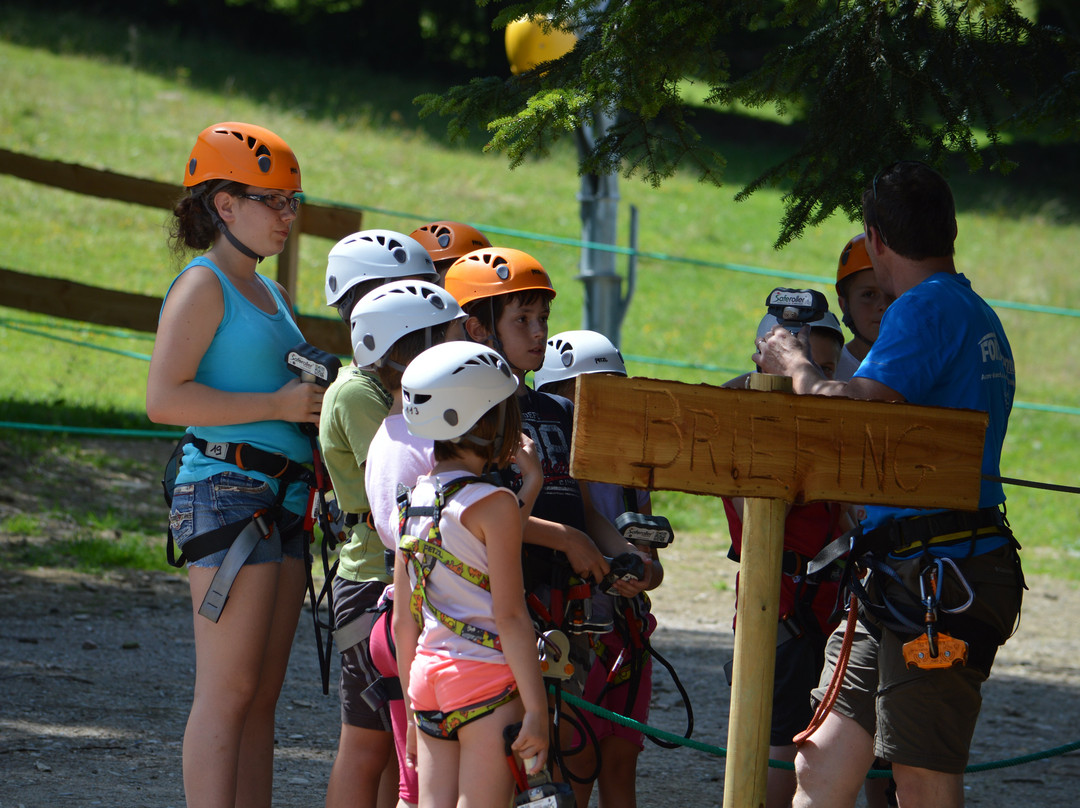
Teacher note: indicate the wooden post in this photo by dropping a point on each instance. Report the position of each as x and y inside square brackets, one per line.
[747, 766]
[288, 262]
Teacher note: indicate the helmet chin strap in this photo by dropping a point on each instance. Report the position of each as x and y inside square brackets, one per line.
[849, 321]
[400, 368]
[496, 343]
[215, 217]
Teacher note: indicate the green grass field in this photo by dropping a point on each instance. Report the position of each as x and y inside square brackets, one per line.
[107, 95]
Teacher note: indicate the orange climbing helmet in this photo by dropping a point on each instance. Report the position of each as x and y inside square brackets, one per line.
[854, 258]
[495, 271]
[245, 153]
[448, 241]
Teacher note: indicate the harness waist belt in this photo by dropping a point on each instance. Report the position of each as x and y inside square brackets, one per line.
[250, 458]
[905, 535]
[942, 528]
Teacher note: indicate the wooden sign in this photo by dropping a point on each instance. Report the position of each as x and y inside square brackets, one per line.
[664, 435]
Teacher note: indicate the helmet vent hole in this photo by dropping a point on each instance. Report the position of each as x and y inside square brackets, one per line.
[420, 398]
[451, 417]
[369, 342]
[568, 359]
[444, 240]
[400, 255]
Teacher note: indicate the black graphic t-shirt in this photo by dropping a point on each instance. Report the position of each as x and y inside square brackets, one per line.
[548, 420]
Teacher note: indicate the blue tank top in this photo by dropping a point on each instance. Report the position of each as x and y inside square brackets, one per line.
[247, 355]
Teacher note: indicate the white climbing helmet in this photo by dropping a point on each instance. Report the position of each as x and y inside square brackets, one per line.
[448, 388]
[370, 255]
[571, 353]
[389, 312]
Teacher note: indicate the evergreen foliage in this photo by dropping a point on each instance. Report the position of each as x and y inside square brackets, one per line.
[872, 81]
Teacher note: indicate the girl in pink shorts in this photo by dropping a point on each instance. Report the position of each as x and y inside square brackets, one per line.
[466, 647]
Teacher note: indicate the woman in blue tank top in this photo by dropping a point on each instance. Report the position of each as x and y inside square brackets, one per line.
[218, 368]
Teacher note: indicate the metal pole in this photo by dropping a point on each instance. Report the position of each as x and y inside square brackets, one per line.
[599, 204]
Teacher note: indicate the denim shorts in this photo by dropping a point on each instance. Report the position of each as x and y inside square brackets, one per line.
[229, 497]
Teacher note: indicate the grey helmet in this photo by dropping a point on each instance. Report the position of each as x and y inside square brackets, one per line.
[571, 353]
[370, 255]
[389, 312]
[448, 388]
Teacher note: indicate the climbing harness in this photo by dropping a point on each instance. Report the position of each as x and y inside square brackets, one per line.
[907, 614]
[422, 556]
[239, 538]
[445, 726]
[432, 550]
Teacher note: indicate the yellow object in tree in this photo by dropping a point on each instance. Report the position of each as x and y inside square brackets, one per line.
[528, 45]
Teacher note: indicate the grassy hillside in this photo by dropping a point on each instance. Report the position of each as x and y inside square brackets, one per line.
[103, 94]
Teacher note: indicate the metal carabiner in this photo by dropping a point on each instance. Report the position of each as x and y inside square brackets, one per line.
[941, 562]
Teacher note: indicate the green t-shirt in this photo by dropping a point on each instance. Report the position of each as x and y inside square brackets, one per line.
[353, 409]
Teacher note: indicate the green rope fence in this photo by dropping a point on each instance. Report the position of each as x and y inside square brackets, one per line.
[720, 751]
[647, 360]
[659, 256]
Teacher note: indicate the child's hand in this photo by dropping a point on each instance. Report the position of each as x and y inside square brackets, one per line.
[532, 742]
[526, 458]
[630, 589]
[585, 559]
[532, 473]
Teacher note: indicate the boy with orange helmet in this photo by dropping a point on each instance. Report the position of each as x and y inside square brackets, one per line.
[507, 296]
[861, 301]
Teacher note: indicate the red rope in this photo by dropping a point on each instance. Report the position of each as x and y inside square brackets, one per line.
[837, 679]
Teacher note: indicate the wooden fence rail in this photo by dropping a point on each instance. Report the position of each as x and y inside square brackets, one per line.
[78, 301]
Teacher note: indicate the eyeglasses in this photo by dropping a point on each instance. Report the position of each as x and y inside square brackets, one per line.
[275, 201]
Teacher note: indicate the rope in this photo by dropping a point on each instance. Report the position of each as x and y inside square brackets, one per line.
[153, 433]
[837, 679]
[92, 430]
[80, 343]
[1065, 489]
[827, 281]
[719, 751]
[645, 360]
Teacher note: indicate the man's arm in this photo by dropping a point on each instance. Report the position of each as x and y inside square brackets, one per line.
[785, 354]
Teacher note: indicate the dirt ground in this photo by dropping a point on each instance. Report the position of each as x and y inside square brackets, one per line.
[96, 671]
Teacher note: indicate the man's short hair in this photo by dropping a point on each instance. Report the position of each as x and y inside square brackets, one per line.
[912, 208]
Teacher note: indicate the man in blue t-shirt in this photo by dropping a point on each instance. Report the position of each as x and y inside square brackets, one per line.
[941, 345]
